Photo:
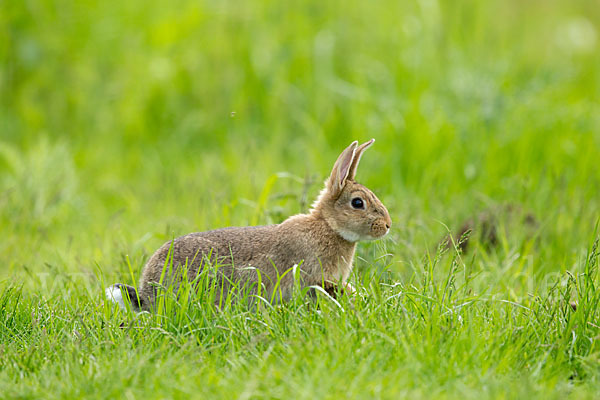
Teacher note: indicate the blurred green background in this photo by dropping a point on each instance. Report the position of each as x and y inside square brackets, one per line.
[126, 123]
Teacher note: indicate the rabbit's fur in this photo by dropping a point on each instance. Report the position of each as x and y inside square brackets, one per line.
[321, 243]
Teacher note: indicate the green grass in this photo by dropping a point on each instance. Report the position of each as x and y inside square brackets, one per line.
[125, 124]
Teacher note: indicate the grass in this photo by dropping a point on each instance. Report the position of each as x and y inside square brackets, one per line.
[125, 124]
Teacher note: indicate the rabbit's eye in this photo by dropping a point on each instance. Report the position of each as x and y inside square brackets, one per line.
[357, 203]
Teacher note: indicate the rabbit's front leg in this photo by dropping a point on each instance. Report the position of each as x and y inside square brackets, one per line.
[332, 289]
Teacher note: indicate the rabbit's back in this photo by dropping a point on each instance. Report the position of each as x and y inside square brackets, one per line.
[230, 250]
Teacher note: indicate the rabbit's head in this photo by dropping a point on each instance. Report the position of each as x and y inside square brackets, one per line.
[350, 209]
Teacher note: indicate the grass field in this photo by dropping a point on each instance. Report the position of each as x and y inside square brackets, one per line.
[124, 124]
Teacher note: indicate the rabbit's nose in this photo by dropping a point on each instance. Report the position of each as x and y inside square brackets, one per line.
[387, 225]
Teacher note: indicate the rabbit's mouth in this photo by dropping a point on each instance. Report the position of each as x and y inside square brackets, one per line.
[379, 229]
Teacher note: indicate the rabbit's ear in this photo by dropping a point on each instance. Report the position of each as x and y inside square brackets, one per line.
[356, 159]
[341, 169]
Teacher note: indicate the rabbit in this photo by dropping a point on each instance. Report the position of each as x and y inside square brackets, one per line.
[321, 244]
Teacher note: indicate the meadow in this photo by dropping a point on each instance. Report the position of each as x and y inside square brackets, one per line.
[124, 124]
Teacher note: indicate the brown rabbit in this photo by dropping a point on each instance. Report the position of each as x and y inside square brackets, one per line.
[320, 244]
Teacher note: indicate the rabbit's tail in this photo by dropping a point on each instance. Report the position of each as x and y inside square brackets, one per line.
[122, 294]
